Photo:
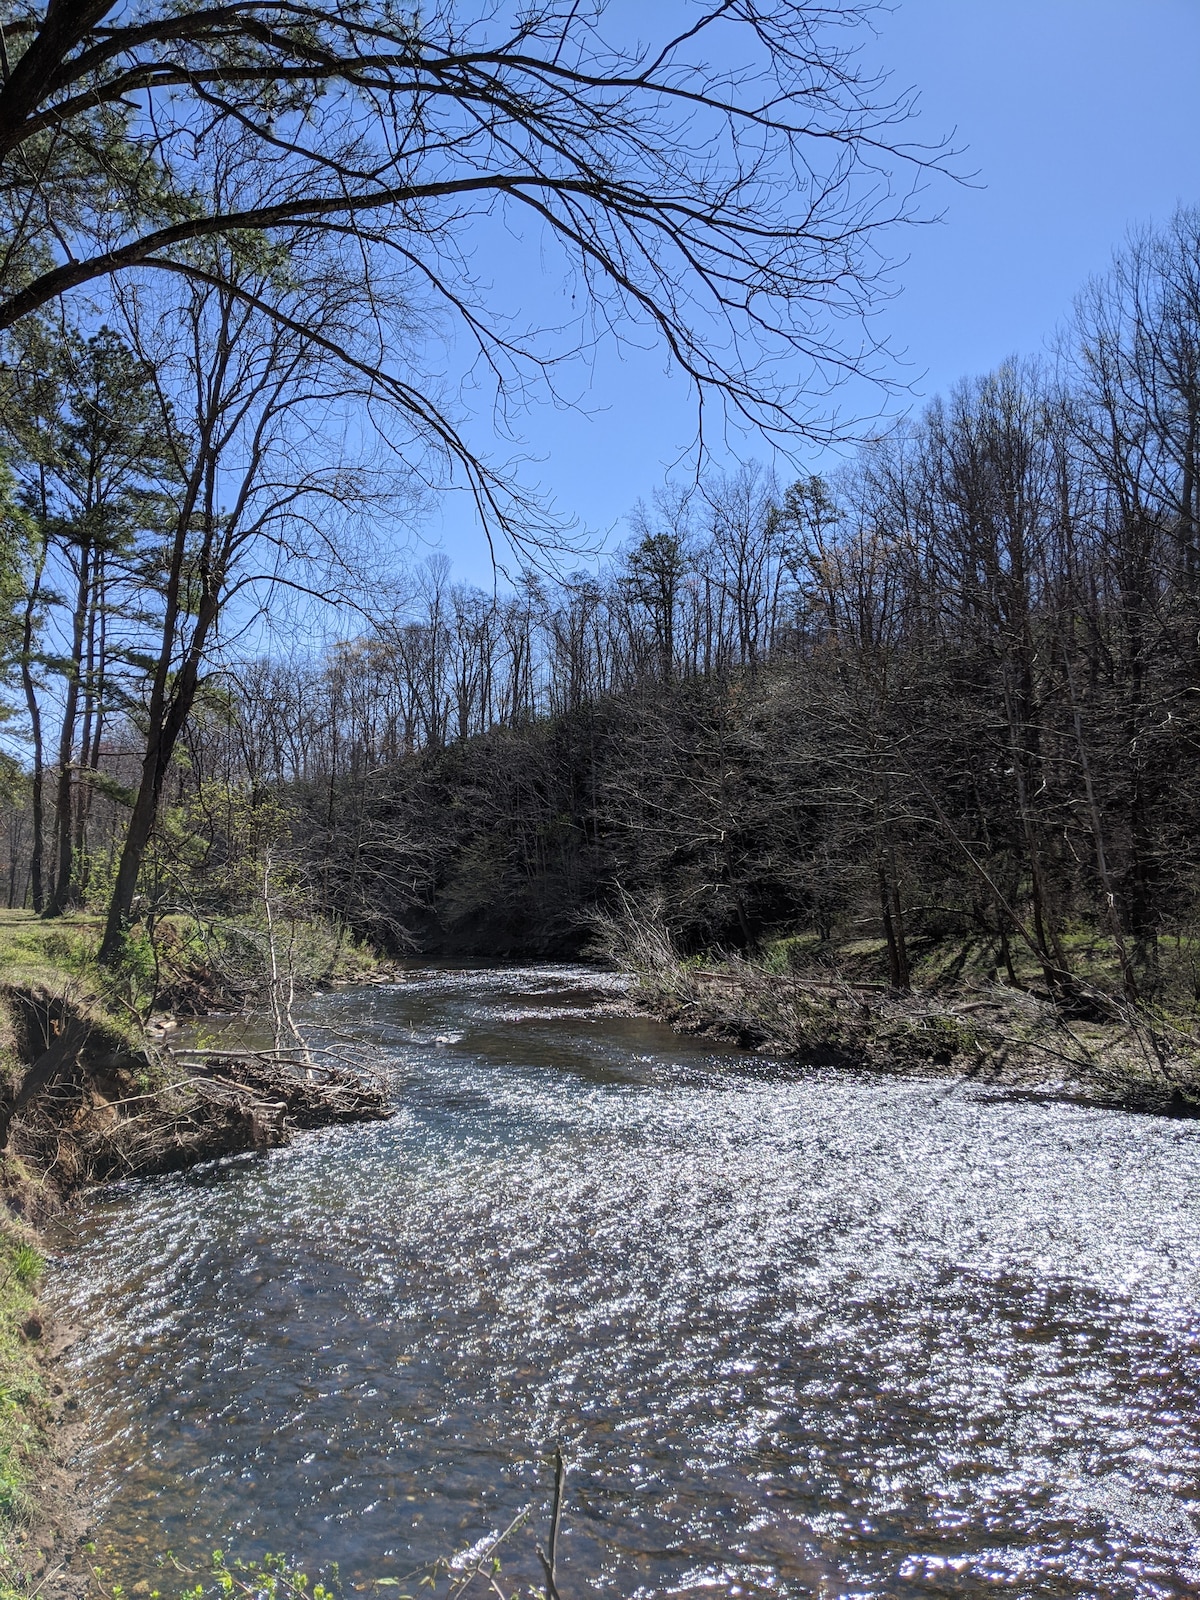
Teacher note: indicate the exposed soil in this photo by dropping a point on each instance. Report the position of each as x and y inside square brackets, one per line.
[82, 1107]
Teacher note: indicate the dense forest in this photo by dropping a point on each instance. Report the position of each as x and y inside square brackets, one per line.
[951, 686]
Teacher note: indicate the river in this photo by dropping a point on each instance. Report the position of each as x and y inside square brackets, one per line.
[798, 1333]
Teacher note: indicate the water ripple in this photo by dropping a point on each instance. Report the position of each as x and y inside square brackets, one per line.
[810, 1335]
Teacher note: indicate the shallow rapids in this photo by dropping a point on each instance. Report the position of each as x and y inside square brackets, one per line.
[799, 1334]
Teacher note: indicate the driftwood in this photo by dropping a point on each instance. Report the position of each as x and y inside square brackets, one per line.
[86, 1108]
[312, 1094]
[227, 1105]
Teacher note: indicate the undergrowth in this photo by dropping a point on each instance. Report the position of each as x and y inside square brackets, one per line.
[181, 960]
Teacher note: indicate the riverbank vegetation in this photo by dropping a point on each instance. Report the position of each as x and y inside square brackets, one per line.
[91, 1089]
[23, 1391]
[38, 1509]
[825, 1003]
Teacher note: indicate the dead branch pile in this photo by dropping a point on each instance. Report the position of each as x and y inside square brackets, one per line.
[992, 1033]
[311, 1092]
[84, 1112]
[78, 1133]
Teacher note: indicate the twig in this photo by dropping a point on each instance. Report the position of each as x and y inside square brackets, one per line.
[458, 1588]
[549, 1562]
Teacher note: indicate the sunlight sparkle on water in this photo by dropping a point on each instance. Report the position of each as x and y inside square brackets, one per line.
[799, 1334]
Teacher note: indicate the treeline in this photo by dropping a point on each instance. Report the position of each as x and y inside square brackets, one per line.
[953, 687]
[707, 587]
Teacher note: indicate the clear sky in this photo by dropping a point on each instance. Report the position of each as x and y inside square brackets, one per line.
[1079, 118]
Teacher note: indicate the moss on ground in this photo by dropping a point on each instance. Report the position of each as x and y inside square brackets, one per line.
[59, 955]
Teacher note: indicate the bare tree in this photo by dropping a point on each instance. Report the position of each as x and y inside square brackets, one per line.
[247, 397]
[725, 186]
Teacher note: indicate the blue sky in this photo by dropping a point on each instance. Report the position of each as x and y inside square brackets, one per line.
[1078, 118]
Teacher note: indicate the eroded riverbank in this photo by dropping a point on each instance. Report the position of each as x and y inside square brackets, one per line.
[83, 1099]
[801, 1333]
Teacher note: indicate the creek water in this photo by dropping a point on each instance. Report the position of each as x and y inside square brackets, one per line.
[799, 1333]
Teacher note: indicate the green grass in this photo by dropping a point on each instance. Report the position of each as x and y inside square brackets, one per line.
[59, 956]
[34, 951]
[23, 1403]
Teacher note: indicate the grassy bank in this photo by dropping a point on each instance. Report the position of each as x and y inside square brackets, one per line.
[184, 964]
[23, 1407]
[828, 1004]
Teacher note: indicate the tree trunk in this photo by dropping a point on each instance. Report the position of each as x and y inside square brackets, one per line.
[161, 738]
[38, 776]
[64, 808]
[898, 976]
